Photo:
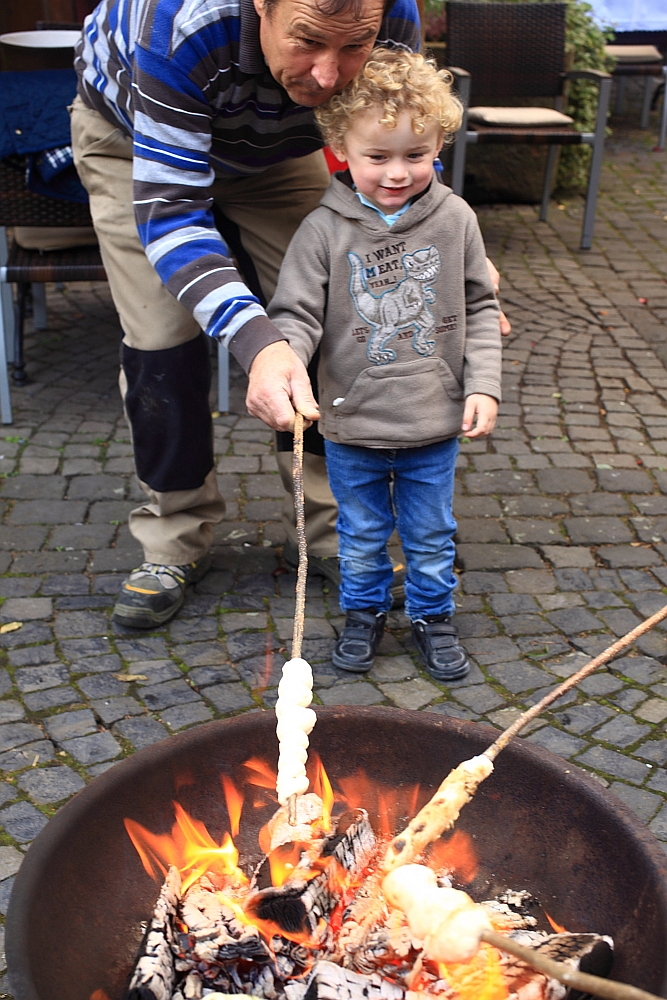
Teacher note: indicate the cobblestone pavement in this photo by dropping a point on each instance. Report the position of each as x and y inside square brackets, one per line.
[562, 532]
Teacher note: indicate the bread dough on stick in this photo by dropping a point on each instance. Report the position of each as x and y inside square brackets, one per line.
[447, 921]
[295, 723]
[440, 813]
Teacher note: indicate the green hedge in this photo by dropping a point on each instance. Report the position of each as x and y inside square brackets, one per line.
[584, 43]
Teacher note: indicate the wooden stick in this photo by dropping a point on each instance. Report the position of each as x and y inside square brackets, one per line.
[576, 980]
[302, 571]
[604, 657]
[442, 811]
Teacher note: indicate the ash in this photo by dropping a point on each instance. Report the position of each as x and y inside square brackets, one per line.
[328, 937]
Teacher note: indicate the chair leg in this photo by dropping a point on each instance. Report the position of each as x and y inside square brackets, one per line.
[459, 153]
[596, 165]
[663, 120]
[223, 379]
[620, 95]
[5, 397]
[646, 103]
[548, 180]
[39, 305]
[6, 298]
[19, 376]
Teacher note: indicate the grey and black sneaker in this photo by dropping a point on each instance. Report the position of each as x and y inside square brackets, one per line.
[329, 568]
[359, 640]
[437, 640]
[153, 593]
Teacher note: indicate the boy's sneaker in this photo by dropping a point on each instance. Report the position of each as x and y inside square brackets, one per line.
[329, 567]
[153, 593]
[359, 640]
[437, 640]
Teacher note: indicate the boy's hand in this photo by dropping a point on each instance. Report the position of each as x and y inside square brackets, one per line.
[278, 384]
[485, 408]
[505, 325]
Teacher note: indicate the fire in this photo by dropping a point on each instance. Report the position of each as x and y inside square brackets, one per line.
[558, 928]
[480, 979]
[455, 855]
[234, 801]
[386, 805]
[189, 847]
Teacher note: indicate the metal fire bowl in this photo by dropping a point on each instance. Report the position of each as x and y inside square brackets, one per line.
[74, 922]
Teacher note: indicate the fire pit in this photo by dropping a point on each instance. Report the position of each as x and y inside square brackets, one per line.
[82, 895]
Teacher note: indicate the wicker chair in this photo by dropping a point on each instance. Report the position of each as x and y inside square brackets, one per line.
[643, 60]
[517, 50]
[20, 207]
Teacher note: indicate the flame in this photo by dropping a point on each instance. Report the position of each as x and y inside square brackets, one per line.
[260, 774]
[189, 847]
[322, 786]
[99, 995]
[480, 979]
[234, 801]
[284, 859]
[386, 805]
[559, 929]
[456, 855]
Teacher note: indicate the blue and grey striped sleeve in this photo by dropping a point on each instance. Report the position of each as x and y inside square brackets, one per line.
[173, 68]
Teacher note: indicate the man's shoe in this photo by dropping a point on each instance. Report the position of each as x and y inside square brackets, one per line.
[359, 640]
[152, 594]
[437, 640]
[329, 567]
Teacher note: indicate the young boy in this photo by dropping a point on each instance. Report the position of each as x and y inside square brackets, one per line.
[388, 278]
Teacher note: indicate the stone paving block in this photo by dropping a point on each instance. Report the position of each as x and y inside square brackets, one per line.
[624, 480]
[599, 599]
[112, 709]
[228, 697]
[67, 725]
[650, 504]
[516, 625]
[530, 581]
[481, 698]
[101, 686]
[83, 536]
[392, 668]
[658, 781]
[50, 784]
[95, 487]
[501, 557]
[572, 556]
[654, 710]
[597, 530]
[479, 530]
[11, 711]
[355, 693]
[476, 626]
[118, 560]
[39, 678]
[530, 531]
[263, 671]
[152, 672]
[82, 649]
[244, 644]
[518, 676]
[615, 764]
[600, 684]
[555, 602]
[80, 623]
[500, 482]
[599, 503]
[188, 629]
[650, 529]
[65, 583]
[641, 669]
[30, 537]
[413, 694]
[10, 862]
[451, 709]
[105, 663]
[619, 620]
[141, 732]
[618, 556]
[574, 620]
[16, 734]
[533, 506]
[47, 512]
[564, 481]
[235, 622]
[29, 753]
[628, 699]
[22, 821]
[573, 578]
[196, 654]
[176, 692]
[475, 507]
[622, 731]
[487, 651]
[203, 677]
[655, 750]
[27, 487]
[483, 583]
[143, 649]
[19, 586]
[557, 741]
[181, 716]
[92, 749]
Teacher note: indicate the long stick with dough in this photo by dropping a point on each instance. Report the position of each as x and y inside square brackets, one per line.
[442, 811]
[295, 691]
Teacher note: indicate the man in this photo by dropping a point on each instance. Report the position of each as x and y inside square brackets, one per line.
[199, 112]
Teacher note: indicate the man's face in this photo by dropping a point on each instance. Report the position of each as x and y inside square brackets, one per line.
[314, 55]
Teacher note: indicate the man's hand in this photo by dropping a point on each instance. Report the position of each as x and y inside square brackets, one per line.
[278, 384]
[505, 325]
[485, 408]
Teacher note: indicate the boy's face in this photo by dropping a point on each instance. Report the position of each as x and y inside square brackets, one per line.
[390, 165]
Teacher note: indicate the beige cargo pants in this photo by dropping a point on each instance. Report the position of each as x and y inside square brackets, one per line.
[176, 527]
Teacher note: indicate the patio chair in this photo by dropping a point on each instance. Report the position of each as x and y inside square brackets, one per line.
[514, 51]
[646, 61]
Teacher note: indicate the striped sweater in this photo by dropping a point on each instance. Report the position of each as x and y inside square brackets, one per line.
[188, 80]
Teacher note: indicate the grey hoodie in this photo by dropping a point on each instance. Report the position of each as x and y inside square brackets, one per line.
[405, 317]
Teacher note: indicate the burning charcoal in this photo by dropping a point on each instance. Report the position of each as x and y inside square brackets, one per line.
[589, 952]
[154, 973]
[193, 988]
[308, 810]
[215, 934]
[331, 982]
[299, 906]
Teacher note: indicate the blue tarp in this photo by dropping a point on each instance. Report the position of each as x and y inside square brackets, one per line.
[33, 110]
[631, 15]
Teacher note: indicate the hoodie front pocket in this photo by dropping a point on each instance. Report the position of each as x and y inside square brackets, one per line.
[404, 403]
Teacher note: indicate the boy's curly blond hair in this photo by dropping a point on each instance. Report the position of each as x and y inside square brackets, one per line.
[393, 80]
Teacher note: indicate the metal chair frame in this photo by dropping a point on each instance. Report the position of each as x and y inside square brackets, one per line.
[514, 51]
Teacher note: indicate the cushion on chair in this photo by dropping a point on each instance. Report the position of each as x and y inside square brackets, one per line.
[633, 53]
[54, 237]
[518, 117]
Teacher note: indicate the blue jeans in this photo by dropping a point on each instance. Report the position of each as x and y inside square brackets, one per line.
[421, 509]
